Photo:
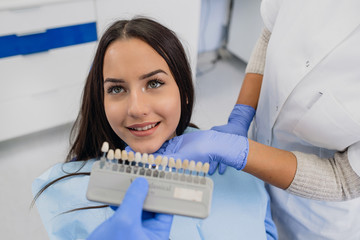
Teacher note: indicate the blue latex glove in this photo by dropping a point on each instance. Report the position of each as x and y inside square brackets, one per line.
[131, 222]
[210, 146]
[239, 121]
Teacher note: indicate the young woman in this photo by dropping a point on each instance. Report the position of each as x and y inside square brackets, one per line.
[139, 93]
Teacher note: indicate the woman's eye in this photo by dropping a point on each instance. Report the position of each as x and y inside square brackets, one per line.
[155, 83]
[115, 90]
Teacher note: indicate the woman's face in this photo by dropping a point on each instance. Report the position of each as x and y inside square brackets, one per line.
[141, 98]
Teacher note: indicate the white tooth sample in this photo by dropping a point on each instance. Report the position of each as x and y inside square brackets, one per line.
[185, 164]
[137, 157]
[131, 157]
[158, 160]
[164, 162]
[144, 158]
[124, 155]
[105, 147]
[205, 168]
[192, 165]
[178, 164]
[198, 166]
[151, 159]
[110, 154]
[171, 163]
[117, 154]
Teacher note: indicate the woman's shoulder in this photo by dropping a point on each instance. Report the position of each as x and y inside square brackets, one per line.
[65, 195]
[191, 129]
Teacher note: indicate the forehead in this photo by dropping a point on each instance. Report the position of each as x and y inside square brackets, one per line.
[126, 54]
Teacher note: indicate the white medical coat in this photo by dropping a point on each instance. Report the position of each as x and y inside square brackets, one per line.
[310, 102]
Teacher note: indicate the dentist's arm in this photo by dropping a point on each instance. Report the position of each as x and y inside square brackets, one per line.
[305, 175]
[131, 222]
[272, 165]
[244, 110]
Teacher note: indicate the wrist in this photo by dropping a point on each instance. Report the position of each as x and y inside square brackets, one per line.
[242, 114]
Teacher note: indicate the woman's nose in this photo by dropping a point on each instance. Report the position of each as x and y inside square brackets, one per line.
[138, 105]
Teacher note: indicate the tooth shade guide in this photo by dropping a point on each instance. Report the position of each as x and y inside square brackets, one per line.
[186, 166]
[112, 181]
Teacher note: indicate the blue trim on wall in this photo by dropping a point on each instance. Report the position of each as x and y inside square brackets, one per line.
[12, 45]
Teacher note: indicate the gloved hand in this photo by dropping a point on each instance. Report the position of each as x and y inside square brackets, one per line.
[239, 120]
[131, 222]
[210, 146]
[238, 123]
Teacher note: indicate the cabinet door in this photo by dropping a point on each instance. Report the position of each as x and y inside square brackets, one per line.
[42, 77]
[245, 28]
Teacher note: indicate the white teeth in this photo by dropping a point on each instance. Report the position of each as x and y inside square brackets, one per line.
[145, 128]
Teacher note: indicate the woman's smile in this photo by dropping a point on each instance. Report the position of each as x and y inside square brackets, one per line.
[143, 129]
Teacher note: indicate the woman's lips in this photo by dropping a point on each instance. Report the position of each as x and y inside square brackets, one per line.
[144, 129]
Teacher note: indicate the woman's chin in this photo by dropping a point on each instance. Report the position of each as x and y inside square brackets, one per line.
[145, 149]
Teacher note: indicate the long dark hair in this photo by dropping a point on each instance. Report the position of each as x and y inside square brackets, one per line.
[91, 127]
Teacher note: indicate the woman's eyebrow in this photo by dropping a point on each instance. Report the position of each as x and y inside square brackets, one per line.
[113, 80]
[144, 76]
[147, 75]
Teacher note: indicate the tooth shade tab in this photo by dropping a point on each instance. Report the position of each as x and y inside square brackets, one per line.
[105, 147]
[131, 156]
[192, 165]
[144, 158]
[137, 157]
[178, 164]
[205, 168]
[164, 162]
[185, 164]
[117, 154]
[110, 154]
[171, 162]
[151, 159]
[158, 160]
[124, 155]
[198, 166]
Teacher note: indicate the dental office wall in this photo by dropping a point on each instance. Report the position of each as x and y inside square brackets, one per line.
[41, 88]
